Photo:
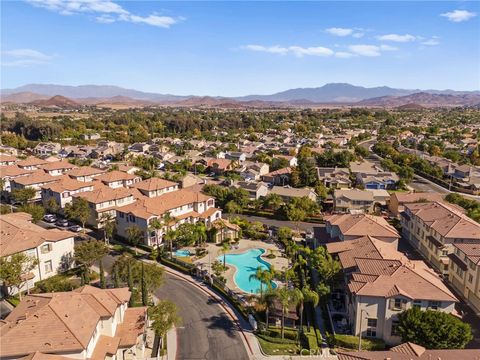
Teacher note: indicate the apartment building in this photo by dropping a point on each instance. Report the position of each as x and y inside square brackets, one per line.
[53, 249]
[349, 227]
[103, 202]
[411, 351]
[6, 159]
[10, 172]
[464, 272]
[116, 179]
[63, 190]
[398, 200]
[183, 205]
[353, 201]
[433, 227]
[31, 163]
[87, 323]
[155, 186]
[381, 282]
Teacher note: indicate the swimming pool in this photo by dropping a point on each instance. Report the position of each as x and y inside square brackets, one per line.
[247, 264]
[182, 253]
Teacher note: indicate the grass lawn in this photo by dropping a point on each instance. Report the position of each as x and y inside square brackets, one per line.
[270, 348]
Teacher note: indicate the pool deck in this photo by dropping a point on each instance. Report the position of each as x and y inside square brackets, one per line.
[279, 262]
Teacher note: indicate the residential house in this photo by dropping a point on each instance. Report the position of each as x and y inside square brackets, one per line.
[353, 201]
[62, 190]
[333, 177]
[155, 186]
[220, 166]
[364, 167]
[287, 193]
[57, 168]
[348, 227]
[253, 170]
[7, 173]
[236, 156]
[399, 199]
[31, 163]
[183, 205]
[34, 180]
[464, 272]
[433, 227]
[190, 180]
[380, 196]
[91, 136]
[47, 149]
[280, 177]
[7, 160]
[410, 351]
[256, 190]
[116, 179]
[380, 180]
[139, 148]
[86, 323]
[103, 202]
[85, 173]
[292, 160]
[52, 249]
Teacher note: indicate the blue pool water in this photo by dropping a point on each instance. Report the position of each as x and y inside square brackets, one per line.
[247, 264]
[182, 253]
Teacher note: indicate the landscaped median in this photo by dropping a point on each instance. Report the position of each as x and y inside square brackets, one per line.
[272, 343]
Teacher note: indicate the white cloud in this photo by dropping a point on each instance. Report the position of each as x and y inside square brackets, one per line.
[298, 51]
[431, 42]
[343, 55]
[24, 57]
[384, 47]
[397, 38]
[358, 35]
[459, 15]
[108, 11]
[339, 31]
[365, 50]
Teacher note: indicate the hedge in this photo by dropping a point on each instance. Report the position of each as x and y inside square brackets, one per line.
[351, 342]
[276, 340]
[289, 333]
[176, 266]
[309, 339]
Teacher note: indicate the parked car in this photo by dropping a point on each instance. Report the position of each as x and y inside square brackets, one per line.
[62, 223]
[75, 228]
[50, 218]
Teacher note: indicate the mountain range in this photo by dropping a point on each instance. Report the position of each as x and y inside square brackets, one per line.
[329, 94]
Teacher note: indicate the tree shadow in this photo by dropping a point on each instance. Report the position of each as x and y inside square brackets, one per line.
[221, 322]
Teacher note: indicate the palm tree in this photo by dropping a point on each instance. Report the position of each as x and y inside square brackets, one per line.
[156, 225]
[167, 219]
[263, 276]
[224, 250]
[311, 297]
[264, 302]
[164, 317]
[287, 297]
[108, 222]
[200, 233]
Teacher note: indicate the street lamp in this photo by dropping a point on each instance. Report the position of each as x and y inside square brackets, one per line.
[360, 334]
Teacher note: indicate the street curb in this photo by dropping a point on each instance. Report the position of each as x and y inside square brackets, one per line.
[221, 303]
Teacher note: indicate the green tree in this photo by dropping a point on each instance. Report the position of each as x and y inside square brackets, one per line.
[433, 329]
[264, 276]
[87, 253]
[35, 210]
[109, 225]
[14, 270]
[225, 248]
[52, 205]
[78, 210]
[144, 287]
[23, 195]
[103, 282]
[134, 236]
[164, 317]
[273, 201]
[309, 297]
[232, 207]
[153, 274]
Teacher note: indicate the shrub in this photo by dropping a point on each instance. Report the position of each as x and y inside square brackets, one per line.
[351, 342]
[56, 283]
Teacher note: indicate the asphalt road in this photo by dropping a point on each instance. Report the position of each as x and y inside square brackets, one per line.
[206, 331]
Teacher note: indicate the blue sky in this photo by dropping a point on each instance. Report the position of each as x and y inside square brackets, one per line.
[239, 48]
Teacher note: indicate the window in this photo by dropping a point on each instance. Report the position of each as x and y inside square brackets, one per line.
[394, 331]
[434, 305]
[472, 265]
[459, 272]
[66, 194]
[371, 327]
[48, 266]
[46, 248]
[444, 252]
[470, 278]
[398, 304]
[122, 215]
[417, 304]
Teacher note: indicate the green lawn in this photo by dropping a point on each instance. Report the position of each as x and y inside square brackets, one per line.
[277, 349]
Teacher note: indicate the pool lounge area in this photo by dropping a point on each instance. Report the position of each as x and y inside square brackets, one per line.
[246, 264]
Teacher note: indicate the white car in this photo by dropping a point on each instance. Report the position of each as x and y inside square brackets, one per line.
[50, 218]
[75, 228]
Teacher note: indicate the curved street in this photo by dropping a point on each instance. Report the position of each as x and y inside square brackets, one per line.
[206, 331]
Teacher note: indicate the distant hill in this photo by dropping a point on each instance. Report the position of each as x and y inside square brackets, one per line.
[333, 94]
[56, 101]
[424, 99]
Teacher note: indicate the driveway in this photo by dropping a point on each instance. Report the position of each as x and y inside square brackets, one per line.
[206, 331]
